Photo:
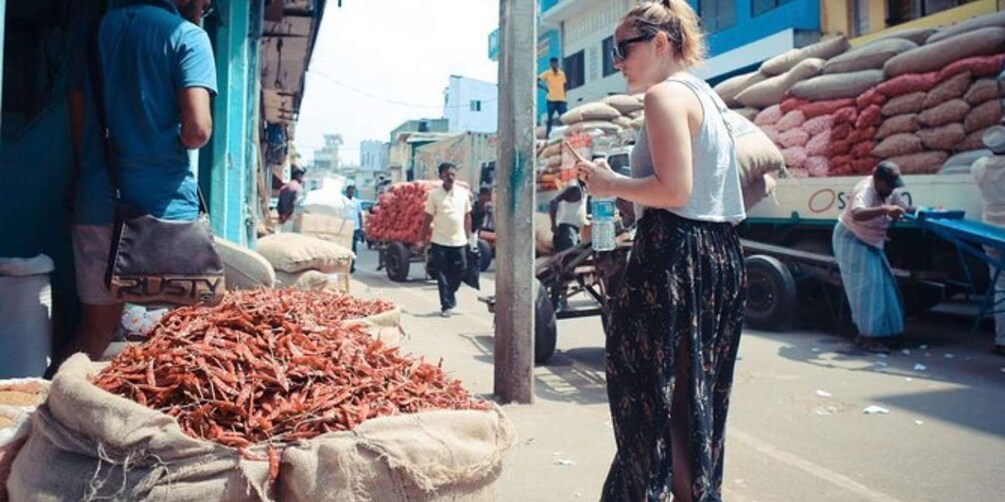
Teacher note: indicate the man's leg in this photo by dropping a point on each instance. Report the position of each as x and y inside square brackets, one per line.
[460, 265]
[355, 239]
[551, 113]
[442, 284]
[999, 307]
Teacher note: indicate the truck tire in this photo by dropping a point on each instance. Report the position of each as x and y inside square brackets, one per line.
[397, 260]
[771, 293]
[545, 326]
[485, 254]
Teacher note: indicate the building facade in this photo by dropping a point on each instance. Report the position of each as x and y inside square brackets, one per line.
[373, 155]
[420, 125]
[471, 105]
[327, 158]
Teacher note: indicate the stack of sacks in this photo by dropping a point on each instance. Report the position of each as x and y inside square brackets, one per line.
[778, 75]
[549, 163]
[593, 116]
[306, 263]
[630, 108]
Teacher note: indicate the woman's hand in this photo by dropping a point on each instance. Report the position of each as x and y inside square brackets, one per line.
[598, 178]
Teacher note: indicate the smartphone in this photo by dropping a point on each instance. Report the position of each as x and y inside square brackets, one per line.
[575, 153]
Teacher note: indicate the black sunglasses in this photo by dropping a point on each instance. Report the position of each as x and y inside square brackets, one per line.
[620, 50]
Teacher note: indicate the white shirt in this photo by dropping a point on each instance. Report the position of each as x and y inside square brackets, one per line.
[989, 173]
[352, 212]
[448, 210]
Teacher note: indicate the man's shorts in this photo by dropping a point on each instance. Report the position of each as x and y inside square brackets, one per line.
[91, 246]
[558, 107]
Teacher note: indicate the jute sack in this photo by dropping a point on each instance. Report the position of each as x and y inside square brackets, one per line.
[954, 110]
[385, 326]
[983, 115]
[897, 124]
[961, 162]
[839, 85]
[543, 236]
[952, 88]
[943, 137]
[773, 90]
[729, 88]
[307, 280]
[291, 253]
[88, 444]
[973, 141]
[901, 105]
[757, 191]
[429, 456]
[916, 35]
[823, 50]
[871, 56]
[921, 163]
[590, 111]
[982, 90]
[976, 23]
[756, 154]
[605, 126]
[935, 56]
[898, 144]
[244, 268]
[623, 103]
[623, 122]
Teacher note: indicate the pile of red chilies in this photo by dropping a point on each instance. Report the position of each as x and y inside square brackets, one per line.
[276, 366]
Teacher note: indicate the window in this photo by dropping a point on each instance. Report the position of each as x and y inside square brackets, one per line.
[860, 17]
[717, 14]
[902, 11]
[574, 70]
[606, 48]
[759, 7]
[476, 105]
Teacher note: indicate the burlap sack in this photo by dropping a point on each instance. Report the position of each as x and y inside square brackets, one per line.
[729, 88]
[306, 280]
[978, 66]
[898, 144]
[590, 111]
[952, 88]
[898, 124]
[976, 23]
[817, 125]
[871, 56]
[551, 150]
[14, 427]
[793, 137]
[973, 141]
[87, 444]
[823, 50]
[769, 116]
[921, 163]
[623, 103]
[871, 116]
[291, 253]
[983, 115]
[543, 236]
[790, 120]
[794, 157]
[818, 143]
[901, 105]
[638, 122]
[244, 268]
[908, 83]
[554, 160]
[773, 90]
[604, 126]
[431, 456]
[756, 154]
[758, 190]
[818, 166]
[385, 326]
[954, 110]
[917, 35]
[982, 90]
[943, 137]
[839, 85]
[935, 56]
[623, 122]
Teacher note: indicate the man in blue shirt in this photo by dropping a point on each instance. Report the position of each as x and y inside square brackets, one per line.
[158, 75]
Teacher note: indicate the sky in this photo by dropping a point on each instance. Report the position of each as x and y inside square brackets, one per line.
[378, 63]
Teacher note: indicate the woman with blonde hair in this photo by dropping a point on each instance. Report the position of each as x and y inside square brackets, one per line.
[674, 330]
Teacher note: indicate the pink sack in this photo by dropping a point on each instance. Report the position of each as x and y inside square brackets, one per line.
[791, 104]
[864, 166]
[862, 150]
[794, 157]
[817, 145]
[790, 120]
[793, 137]
[819, 108]
[768, 116]
[870, 97]
[860, 135]
[846, 115]
[978, 66]
[817, 125]
[908, 83]
[871, 116]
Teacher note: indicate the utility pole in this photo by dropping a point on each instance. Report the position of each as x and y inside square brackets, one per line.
[514, 337]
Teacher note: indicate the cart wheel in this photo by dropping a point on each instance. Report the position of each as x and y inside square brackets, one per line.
[485, 254]
[545, 326]
[396, 260]
[771, 292]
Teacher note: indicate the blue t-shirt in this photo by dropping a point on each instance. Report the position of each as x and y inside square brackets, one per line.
[149, 53]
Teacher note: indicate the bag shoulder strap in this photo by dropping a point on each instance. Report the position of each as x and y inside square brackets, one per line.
[97, 90]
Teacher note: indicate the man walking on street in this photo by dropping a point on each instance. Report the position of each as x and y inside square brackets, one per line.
[448, 210]
[553, 80]
[354, 213]
[157, 73]
[859, 237]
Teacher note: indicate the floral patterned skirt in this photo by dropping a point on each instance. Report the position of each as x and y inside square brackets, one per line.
[683, 297]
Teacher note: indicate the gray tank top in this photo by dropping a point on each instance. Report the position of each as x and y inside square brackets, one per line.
[715, 195]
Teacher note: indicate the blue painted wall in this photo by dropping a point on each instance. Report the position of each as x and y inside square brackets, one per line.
[797, 14]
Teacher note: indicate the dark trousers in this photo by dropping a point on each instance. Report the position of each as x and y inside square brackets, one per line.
[566, 236]
[555, 108]
[357, 235]
[450, 265]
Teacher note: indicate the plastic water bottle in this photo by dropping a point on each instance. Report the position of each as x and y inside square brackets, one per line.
[603, 232]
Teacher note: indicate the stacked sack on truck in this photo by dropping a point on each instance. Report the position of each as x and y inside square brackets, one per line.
[919, 97]
[307, 263]
[611, 116]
